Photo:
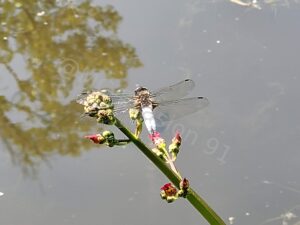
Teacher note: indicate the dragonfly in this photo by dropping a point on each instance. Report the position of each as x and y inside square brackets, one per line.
[167, 101]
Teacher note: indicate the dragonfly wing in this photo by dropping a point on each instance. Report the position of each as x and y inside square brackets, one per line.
[174, 109]
[121, 101]
[119, 108]
[118, 98]
[176, 91]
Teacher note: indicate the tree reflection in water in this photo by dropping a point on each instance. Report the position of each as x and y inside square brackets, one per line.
[64, 49]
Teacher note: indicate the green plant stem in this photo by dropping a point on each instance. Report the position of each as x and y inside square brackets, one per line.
[202, 207]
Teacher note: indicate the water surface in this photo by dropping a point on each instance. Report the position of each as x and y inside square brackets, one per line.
[241, 153]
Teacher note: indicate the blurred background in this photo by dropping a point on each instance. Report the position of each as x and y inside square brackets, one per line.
[241, 153]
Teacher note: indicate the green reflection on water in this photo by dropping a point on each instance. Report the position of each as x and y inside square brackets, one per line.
[59, 43]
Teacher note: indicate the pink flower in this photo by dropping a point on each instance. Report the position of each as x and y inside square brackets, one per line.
[169, 189]
[166, 187]
[154, 136]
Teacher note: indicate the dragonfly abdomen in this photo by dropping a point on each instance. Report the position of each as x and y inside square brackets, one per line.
[149, 120]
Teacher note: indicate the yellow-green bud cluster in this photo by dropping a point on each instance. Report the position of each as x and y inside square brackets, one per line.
[134, 114]
[159, 153]
[99, 105]
[106, 116]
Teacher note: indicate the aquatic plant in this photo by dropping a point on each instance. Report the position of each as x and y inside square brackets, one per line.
[99, 106]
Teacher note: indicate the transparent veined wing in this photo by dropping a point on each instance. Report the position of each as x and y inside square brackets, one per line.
[174, 109]
[121, 101]
[173, 92]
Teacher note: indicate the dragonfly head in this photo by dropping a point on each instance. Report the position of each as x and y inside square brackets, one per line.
[140, 90]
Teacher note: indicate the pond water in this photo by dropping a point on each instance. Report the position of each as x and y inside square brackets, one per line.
[241, 153]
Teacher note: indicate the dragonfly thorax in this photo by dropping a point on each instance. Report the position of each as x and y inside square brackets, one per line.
[143, 98]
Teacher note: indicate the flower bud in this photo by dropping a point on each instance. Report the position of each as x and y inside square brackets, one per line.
[160, 144]
[177, 139]
[106, 117]
[184, 187]
[99, 105]
[175, 146]
[96, 138]
[174, 150]
[110, 138]
[159, 153]
[134, 113]
[184, 184]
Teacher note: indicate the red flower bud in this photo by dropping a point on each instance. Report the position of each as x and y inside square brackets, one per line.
[96, 138]
[177, 139]
[184, 184]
